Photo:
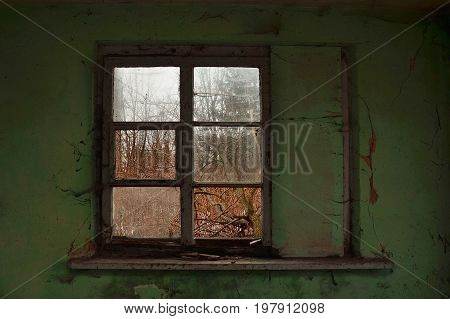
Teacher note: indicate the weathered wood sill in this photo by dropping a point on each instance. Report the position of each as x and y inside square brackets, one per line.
[326, 263]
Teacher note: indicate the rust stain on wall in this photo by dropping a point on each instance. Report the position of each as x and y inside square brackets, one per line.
[372, 146]
[373, 198]
[368, 159]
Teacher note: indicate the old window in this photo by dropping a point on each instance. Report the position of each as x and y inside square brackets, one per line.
[183, 167]
[184, 151]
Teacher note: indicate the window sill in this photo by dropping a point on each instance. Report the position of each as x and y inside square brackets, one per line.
[325, 263]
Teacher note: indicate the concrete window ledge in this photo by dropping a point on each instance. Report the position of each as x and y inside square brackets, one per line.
[344, 263]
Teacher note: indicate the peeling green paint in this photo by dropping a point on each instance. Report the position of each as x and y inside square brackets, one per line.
[47, 147]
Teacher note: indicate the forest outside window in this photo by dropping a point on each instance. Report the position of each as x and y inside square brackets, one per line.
[185, 152]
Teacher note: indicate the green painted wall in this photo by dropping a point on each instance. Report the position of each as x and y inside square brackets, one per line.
[400, 100]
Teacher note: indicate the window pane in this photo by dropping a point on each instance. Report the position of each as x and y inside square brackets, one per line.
[227, 212]
[227, 154]
[146, 94]
[145, 154]
[146, 212]
[226, 94]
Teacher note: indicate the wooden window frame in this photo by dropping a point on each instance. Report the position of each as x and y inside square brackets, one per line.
[186, 58]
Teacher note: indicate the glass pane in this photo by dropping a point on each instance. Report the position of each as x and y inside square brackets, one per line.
[227, 212]
[227, 154]
[146, 212]
[146, 94]
[226, 94]
[145, 154]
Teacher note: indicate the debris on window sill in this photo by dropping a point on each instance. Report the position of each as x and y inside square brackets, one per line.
[209, 262]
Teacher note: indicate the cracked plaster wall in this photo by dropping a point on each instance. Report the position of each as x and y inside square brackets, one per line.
[400, 113]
